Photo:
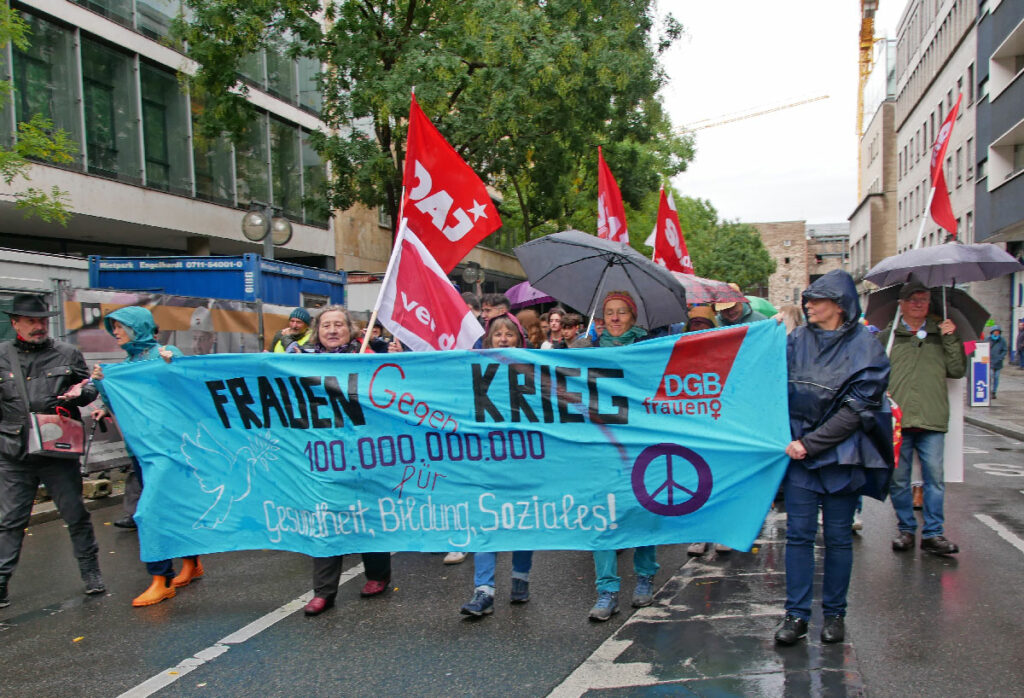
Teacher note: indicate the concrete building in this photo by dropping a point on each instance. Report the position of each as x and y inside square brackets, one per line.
[143, 181]
[999, 187]
[937, 61]
[802, 253]
[873, 222]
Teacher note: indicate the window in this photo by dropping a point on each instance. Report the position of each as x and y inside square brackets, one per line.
[111, 112]
[970, 84]
[165, 131]
[213, 168]
[969, 227]
[253, 68]
[252, 164]
[787, 243]
[281, 77]
[786, 260]
[118, 10]
[314, 203]
[970, 159]
[309, 86]
[959, 167]
[45, 79]
[153, 17]
[286, 168]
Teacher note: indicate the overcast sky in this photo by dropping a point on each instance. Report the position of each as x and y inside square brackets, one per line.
[746, 55]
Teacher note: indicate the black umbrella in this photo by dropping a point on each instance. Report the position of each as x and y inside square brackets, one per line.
[580, 269]
[945, 265]
[966, 313]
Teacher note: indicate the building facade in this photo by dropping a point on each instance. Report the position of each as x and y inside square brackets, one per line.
[873, 222]
[802, 253]
[999, 186]
[143, 180]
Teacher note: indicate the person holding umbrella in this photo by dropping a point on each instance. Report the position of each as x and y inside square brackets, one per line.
[925, 352]
[620, 313]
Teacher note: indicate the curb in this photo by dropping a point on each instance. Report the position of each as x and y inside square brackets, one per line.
[47, 511]
[1012, 431]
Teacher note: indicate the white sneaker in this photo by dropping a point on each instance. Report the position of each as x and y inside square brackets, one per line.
[858, 525]
[454, 558]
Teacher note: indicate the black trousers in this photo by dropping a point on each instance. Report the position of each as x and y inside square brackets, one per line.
[19, 481]
[327, 572]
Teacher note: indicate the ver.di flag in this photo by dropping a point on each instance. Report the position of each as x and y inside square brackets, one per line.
[669, 244]
[611, 214]
[446, 204]
[942, 208]
[419, 305]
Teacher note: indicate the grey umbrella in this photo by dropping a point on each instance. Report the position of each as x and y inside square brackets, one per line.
[966, 313]
[580, 269]
[945, 265]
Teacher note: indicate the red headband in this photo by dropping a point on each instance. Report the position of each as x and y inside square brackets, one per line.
[625, 298]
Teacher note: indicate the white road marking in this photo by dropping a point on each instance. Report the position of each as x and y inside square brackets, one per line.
[168, 676]
[1004, 533]
[1003, 469]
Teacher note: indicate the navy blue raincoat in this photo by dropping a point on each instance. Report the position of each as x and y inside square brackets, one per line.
[830, 369]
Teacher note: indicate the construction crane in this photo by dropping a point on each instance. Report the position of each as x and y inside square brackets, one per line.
[868, 8]
[701, 125]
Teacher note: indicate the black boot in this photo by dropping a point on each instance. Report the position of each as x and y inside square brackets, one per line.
[126, 521]
[4, 599]
[791, 630]
[834, 629]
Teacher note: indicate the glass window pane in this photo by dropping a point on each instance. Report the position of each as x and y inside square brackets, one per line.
[165, 131]
[111, 112]
[212, 158]
[309, 90]
[251, 68]
[281, 75]
[118, 10]
[251, 164]
[154, 17]
[44, 78]
[285, 168]
[316, 211]
[6, 99]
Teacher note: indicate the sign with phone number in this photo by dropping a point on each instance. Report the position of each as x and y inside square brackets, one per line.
[670, 440]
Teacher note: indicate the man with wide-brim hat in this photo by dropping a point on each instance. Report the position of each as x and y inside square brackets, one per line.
[54, 374]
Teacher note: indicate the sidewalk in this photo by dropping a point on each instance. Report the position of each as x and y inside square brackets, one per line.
[1006, 414]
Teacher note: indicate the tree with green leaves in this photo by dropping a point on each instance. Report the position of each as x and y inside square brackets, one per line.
[525, 90]
[36, 140]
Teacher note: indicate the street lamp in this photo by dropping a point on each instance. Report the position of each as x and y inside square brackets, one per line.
[261, 225]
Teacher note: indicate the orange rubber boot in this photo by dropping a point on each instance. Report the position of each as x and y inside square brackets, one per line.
[157, 592]
[189, 570]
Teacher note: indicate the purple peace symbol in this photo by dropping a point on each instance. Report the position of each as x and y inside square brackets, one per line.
[648, 500]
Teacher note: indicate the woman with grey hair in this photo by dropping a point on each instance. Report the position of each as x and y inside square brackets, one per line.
[335, 333]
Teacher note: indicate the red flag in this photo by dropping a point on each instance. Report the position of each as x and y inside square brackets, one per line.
[941, 208]
[611, 215]
[446, 204]
[419, 305]
[669, 244]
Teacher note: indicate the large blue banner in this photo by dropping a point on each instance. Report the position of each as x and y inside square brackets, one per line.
[666, 441]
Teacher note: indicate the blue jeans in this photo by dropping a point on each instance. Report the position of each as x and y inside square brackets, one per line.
[483, 567]
[606, 565]
[995, 381]
[801, 529]
[929, 446]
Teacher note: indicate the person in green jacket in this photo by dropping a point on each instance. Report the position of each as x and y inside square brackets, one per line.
[925, 352]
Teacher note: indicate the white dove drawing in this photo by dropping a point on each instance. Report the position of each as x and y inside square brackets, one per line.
[223, 473]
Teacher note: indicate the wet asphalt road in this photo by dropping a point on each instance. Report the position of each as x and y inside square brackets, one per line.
[917, 625]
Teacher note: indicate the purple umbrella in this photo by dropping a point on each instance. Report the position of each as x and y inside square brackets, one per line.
[522, 295]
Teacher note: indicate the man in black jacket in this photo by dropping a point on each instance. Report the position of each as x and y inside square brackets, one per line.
[54, 373]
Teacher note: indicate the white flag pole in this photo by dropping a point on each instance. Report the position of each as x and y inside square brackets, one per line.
[402, 227]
